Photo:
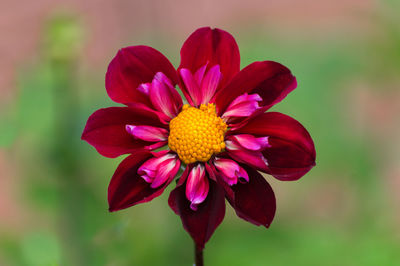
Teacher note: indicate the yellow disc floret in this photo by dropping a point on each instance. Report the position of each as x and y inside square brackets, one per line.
[197, 133]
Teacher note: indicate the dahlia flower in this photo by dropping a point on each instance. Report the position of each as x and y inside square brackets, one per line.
[222, 137]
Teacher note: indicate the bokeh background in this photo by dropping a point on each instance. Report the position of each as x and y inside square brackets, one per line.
[346, 57]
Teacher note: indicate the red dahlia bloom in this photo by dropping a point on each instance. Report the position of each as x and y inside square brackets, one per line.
[222, 138]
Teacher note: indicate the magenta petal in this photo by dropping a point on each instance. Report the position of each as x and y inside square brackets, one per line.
[253, 201]
[270, 80]
[166, 171]
[144, 88]
[200, 224]
[133, 66]
[197, 186]
[147, 133]
[127, 187]
[201, 86]
[150, 167]
[105, 129]
[250, 142]
[210, 83]
[230, 170]
[164, 97]
[242, 175]
[253, 158]
[291, 151]
[243, 106]
[191, 88]
[156, 145]
[199, 75]
[211, 47]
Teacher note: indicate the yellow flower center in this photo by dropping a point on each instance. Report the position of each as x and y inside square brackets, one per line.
[197, 133]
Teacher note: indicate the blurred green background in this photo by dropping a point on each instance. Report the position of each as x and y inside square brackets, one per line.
[53, 205]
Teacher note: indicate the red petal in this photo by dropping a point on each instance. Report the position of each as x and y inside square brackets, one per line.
[271, 80]
[253, 201]
[133, 66]
[291, 153]
[200, 224]
[127, 187]
[105, 129]
[211, 47]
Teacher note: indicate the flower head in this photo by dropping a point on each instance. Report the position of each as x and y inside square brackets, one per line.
[223, 138]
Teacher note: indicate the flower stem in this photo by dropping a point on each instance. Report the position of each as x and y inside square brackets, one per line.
[198, 256]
